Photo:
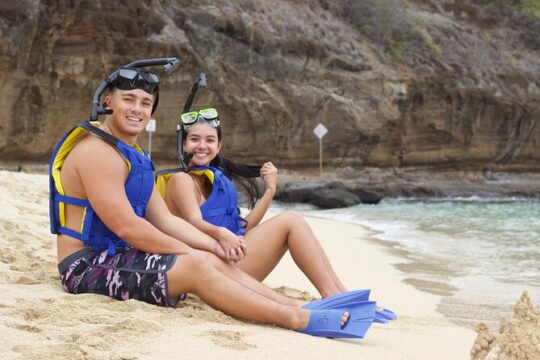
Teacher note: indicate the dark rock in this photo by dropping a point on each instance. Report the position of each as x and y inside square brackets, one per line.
[367, 197]
[294, 195]
[298, 192]
[335, 194]
[420, 192]
[335, 185]
[334, 198]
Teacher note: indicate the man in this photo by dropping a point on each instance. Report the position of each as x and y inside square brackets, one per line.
[116, 236]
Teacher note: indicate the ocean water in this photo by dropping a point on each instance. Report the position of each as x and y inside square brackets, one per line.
[487, 251]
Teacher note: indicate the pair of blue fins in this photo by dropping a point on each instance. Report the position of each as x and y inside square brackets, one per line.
[326, 315]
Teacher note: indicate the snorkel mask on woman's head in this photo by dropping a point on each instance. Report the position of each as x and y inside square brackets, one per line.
[208, 116]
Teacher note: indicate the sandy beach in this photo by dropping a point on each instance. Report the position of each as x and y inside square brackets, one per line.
[38, 320]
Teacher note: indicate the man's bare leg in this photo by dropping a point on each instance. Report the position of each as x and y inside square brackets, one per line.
[196, 274]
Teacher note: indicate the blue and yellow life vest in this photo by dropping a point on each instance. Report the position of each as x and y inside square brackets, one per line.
[221, 207]
[139, 185]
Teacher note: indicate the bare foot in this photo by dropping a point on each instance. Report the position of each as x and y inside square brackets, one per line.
[307, 314]
[344, 318]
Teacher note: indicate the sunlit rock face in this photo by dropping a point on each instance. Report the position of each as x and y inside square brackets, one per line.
[416, 83]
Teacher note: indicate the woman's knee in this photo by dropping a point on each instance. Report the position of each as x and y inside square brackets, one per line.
[292, 218]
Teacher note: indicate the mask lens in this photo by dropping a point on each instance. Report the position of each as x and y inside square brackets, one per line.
[150, 77]
[209, 113]
[189, 118]
[128, 74]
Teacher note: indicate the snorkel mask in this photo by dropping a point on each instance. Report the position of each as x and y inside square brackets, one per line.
[207, 116]
[130, 77]
[189, 118]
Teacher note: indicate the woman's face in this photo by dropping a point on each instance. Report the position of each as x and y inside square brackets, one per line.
[202, 141]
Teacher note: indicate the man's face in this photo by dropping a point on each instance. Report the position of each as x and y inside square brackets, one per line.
[131, 110]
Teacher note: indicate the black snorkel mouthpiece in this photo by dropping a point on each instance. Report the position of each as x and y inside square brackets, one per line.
[186, 157]
[131, 76]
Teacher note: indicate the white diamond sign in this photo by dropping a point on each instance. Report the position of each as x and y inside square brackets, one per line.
[151, 126]
[320, 130]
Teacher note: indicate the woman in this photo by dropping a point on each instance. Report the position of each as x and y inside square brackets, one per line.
[206, 198]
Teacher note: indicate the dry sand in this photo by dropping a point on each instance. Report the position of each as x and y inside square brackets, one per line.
[38, 320]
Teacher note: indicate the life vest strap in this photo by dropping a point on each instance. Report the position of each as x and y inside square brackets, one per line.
[87, 125]
[72, 200]
[70, 232]
[219, 211]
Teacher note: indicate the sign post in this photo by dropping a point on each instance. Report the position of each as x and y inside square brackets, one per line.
[150, 128]
[319, 131]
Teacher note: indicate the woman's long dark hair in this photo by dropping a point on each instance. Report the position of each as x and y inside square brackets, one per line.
[244, 175]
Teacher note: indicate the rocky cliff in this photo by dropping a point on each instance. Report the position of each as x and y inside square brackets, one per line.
[398, 83]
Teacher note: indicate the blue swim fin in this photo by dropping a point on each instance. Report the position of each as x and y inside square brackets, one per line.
[343, 298]
[325, 322]
[387, 314]
[361, 315]
[381, 316]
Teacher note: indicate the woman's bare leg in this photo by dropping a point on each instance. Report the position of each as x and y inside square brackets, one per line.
[268, 242]
[196, 274]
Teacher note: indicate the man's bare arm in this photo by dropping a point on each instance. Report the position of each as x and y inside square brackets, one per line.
[158, 214]
[103, 175]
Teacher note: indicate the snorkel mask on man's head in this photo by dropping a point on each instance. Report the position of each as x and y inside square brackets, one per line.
[130, 77]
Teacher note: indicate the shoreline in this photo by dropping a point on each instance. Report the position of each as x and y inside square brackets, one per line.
[414, 270]
[434, 276]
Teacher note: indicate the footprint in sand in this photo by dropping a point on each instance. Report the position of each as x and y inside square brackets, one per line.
[10, 226]
[6, 256]
[233, 340]
[25, 280]
[28, 328]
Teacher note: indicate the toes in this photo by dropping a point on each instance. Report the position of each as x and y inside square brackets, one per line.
[344, 318]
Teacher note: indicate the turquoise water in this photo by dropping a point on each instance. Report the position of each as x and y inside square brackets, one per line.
[490, 247]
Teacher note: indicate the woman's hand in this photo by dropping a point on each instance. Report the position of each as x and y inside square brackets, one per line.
[234, 247]
[269, 175]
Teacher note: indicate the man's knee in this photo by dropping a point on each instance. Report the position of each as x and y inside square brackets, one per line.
[188, 266]
[187, 272]
[197, 262]
[215, 260]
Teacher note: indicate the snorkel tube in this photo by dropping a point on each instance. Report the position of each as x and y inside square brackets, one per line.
[185, 158]
[169, 65]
